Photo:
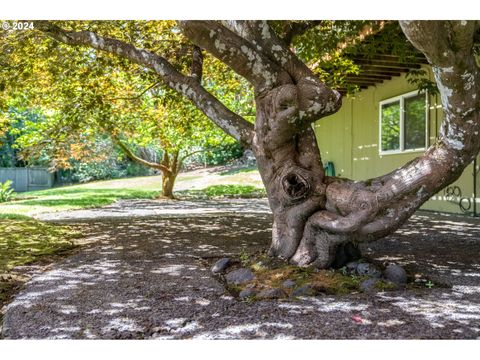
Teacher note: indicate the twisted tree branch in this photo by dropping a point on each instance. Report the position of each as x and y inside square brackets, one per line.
[127, 151]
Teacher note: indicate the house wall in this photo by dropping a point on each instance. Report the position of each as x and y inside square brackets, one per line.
[350, 139]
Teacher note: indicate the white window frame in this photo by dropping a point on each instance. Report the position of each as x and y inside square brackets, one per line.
[401, 98]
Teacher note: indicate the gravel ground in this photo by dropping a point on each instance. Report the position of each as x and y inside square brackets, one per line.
[149, 278]
[127, 209]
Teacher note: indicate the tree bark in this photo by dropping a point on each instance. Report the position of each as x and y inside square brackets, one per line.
[168, 181]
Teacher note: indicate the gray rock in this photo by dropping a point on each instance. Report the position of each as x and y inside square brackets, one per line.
[246, 293]
[288, 284]
[351, 266]
[239, 276]
[370, 270]
[305, 290]
[249, 158]
[396, 274]
[368, 285]
[221, 265]
[275, 293]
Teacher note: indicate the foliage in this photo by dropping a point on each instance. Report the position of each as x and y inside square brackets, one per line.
[413, 123]
[90, 171]
[85, 93]
[429, 284]
[6, 193]
[17, 121]
[219, 154]
[419, 79]
[244, 257]
[391, 126]
[106, 161]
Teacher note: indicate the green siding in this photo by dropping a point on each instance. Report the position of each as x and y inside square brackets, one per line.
[350, 139]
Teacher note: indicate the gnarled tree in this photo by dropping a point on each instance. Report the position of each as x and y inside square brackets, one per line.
[315, 214]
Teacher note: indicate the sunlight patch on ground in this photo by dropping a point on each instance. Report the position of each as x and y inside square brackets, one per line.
[437, 312]
[233, 332]
[122, 324]
[334, 305]
[391, 322]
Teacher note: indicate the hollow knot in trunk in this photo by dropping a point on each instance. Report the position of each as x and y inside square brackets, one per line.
[295, 186]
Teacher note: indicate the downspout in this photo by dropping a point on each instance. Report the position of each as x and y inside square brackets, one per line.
[436, 116]
[475, 187]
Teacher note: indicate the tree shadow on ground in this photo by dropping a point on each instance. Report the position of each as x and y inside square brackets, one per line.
[149, 279]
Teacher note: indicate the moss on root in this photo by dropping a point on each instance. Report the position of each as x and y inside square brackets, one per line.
[272, 273]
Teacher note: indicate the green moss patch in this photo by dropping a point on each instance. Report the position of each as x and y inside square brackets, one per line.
[24, 241]
[322, 281]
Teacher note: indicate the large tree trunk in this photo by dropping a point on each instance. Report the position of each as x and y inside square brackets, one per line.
[315, 214]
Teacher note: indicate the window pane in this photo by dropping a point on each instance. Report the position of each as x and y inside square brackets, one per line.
[414, 122]
[391, 126]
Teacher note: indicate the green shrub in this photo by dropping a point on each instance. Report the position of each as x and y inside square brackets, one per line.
[91, 171]
[217, 155]
[6, 192]
[224, 153]
[134, 169]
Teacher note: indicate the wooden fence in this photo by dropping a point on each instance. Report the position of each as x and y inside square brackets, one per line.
[27, 179]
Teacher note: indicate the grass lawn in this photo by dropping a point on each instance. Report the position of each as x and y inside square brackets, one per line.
[203, 183]
[70, 198]
[225, 191]
[95, 194]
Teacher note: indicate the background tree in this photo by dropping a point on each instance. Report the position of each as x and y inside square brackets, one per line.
[315, 214]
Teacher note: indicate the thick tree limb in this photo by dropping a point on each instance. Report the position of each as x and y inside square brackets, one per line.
[189, 87]
[259, 33]
[287, 92]
[127, 151]
[242, 56]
